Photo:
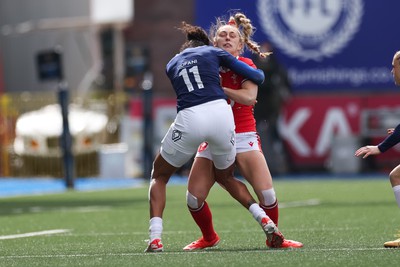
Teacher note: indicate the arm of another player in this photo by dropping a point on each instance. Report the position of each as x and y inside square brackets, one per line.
[366, 151]
[390, 141]
[229, 61]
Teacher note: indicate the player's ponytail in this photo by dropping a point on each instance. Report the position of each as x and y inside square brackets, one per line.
[195, 36]
[247, 29]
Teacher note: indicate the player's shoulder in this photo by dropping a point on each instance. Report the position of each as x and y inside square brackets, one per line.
[207, 48]
[207, 51]
[248, 61]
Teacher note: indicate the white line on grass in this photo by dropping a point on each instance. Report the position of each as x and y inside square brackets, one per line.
[300, 203]
[133, 233]
[186, 253]
[83, 209]
[86, 209]
[47, 232]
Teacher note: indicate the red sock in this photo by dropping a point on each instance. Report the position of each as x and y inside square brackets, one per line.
[203, 219]
[272, 211]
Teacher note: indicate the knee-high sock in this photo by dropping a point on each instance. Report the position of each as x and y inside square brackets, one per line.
[203, 219]
[396, 190]
[272, 211]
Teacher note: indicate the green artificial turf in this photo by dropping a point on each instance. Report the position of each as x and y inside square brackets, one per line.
[341, 223]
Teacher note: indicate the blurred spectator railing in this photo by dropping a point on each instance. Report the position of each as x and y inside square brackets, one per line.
[49, 161]
[375, 122]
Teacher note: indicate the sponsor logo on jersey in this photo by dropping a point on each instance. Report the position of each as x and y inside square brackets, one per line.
[234, 78]
[310, 29]
[176, 135]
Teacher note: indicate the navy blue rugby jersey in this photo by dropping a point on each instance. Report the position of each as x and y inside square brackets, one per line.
[194, 74]
[391, 140]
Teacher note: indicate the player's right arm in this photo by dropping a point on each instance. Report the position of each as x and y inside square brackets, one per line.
[391, 140]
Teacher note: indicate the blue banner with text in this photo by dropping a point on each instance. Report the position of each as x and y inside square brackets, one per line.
[326, 45]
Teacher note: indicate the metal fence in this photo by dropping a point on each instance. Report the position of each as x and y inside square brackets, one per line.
[48, 163]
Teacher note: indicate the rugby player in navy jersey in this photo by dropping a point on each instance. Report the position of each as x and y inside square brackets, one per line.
[234, 35]
[203, 115]
[391, 140]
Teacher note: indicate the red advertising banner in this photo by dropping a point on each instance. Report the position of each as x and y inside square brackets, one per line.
[310, 124]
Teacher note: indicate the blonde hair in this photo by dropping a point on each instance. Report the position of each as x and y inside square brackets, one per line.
[246, 31]
[397, 56]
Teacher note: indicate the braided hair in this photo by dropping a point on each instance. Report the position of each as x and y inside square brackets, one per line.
[246, 31]
[397, 56]
[195, 36]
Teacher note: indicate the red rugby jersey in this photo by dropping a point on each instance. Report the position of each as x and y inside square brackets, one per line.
[243, 114]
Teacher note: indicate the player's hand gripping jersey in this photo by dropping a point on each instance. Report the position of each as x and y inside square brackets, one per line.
[194, 74]
[243, 114]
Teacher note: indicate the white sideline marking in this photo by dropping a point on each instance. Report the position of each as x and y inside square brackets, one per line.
[47, 232]
[302, 250]
[87, 209]
[300, 203]
[83, 209]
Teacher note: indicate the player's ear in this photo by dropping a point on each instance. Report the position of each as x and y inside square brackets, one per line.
[241, 46]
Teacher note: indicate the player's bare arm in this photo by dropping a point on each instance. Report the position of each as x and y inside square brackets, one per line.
[366, 151]
[247, 95]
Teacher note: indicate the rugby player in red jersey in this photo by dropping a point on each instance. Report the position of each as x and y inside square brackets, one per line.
[202, 115]
[233, 36]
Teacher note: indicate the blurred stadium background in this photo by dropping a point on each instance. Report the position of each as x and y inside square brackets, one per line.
[113, 57]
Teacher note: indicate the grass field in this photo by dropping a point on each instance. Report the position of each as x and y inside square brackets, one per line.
[341, 223]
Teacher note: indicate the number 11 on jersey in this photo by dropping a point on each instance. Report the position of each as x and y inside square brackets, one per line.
[195, 71]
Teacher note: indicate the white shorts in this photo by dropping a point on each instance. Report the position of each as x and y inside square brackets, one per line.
[244, 142]
[211, 122]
